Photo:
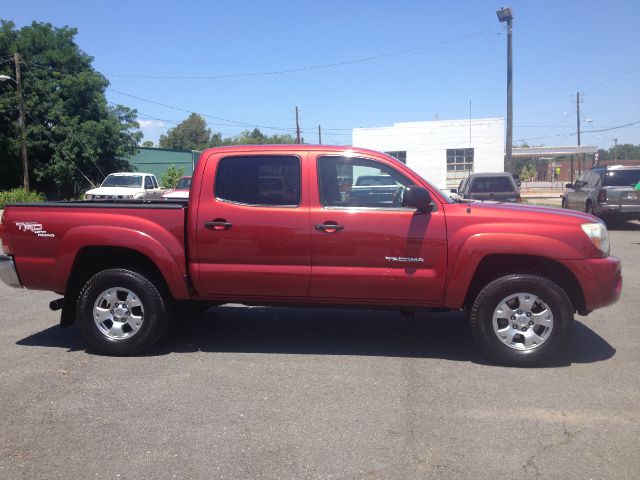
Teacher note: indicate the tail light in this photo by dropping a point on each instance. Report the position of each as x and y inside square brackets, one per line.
[602, 196]
[4, 238]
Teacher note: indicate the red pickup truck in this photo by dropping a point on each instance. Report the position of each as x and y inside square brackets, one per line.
[292, 225]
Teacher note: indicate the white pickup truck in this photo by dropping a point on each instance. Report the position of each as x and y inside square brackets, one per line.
[136, 186]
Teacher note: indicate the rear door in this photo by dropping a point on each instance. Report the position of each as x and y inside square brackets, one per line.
[366, 246]
[253, 235]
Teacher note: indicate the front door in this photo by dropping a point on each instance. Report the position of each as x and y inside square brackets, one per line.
[253, 237]
[365, 245]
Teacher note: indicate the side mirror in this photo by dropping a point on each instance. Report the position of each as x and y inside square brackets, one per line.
[416, 197]
[568, 185]
[454, 190]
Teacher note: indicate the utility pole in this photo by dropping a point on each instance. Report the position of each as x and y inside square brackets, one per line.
[505, 15]
[297, 127]
[615, 149]
[319, 135]
[21, 124]
[580, 165]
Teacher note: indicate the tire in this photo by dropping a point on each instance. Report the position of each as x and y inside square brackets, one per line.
[122, 312]
[522, 320]
[564, 203]
[589, 209]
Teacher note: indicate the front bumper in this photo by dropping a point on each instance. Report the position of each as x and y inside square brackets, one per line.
[600, 279]
[8, 272]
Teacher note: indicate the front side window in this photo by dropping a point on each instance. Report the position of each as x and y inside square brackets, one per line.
[148, 184]
[259, 180]
[358, 182]
[155, 182]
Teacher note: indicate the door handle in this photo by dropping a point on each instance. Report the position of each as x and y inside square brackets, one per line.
[218, 224]
[329, 227]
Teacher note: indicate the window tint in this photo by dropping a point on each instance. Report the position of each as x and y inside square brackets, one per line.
[259, 180]
[622, 178]
[357, 182]
[148, 184]
[155, 182]
[491, 184]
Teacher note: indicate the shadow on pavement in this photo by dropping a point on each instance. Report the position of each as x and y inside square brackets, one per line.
[327, 332]
[619, 225]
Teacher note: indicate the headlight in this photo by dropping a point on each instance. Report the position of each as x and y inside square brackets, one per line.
[598, 234]
[88, 197]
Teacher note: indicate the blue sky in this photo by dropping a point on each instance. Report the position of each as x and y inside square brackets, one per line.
[454, 53]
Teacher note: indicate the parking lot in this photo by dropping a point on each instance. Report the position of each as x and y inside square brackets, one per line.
[313, 393]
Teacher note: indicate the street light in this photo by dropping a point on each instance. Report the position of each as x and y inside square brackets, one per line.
[21, 123]
[505, 15]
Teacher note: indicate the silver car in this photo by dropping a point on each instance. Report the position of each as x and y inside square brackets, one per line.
[607, 192]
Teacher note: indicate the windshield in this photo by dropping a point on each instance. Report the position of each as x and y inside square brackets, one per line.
[622, 178]
[129, 181]
[184, 183]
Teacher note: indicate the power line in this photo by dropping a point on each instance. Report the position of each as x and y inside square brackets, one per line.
[236, 123]
[57, 146]
[65, 122]
[310, 67]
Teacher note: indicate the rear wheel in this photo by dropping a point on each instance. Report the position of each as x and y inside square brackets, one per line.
[122, 312]
[522, 320]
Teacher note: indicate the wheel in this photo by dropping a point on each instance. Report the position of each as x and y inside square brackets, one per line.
[522, 320]
[564, 203]
[122, 312]
[589, 209]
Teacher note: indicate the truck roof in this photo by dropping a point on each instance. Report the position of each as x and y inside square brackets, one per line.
[345, 149]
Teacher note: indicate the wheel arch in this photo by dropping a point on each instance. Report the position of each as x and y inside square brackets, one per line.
[90, 260]
[494, 266]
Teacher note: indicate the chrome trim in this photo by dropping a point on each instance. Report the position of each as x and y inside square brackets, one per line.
[8, 272]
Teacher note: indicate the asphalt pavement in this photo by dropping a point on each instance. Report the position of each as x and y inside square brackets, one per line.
[276, 393]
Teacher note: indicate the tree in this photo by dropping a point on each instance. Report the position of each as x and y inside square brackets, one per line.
[147, 144]
[171, 176]
[251, 137]
[73, 136]
[191, 134]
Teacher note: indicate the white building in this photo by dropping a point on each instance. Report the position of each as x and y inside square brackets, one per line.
[443, 152]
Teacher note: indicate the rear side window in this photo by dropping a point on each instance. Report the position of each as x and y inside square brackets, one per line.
[622, 178]
[259, 180]
[491, 184]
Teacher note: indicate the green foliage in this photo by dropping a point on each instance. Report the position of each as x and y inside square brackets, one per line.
[626, 151]
[171, 176]
[147, 144]
[191, 134]
[72, 131]
[528, 172]
[20, 195]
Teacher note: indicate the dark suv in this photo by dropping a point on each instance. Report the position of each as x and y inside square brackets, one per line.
[499, 187]
[607, 192]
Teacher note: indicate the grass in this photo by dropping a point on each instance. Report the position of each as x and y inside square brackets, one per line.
[19, 195]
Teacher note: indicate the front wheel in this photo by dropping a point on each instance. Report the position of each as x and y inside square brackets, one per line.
[522, 320]
[122, 312]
